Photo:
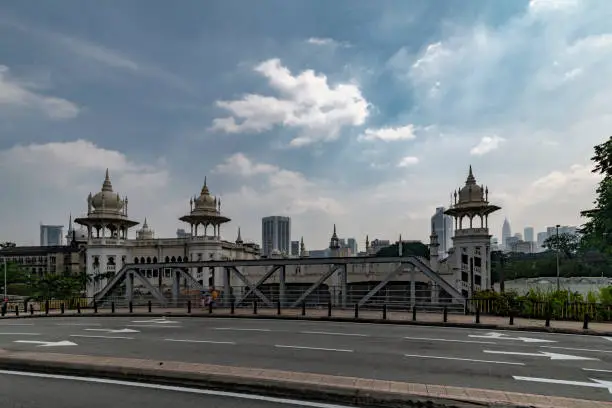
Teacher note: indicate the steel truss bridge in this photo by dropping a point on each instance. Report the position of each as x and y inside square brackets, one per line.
[337, 265]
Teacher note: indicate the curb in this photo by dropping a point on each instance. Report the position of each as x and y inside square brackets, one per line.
[275, 387]
[535, 329]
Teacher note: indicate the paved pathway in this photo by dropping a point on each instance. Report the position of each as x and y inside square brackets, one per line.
[403, 316]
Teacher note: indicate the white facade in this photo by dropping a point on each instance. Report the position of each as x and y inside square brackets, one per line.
[109, 249]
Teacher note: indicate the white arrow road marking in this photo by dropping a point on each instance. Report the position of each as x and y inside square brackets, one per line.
[464, 359]
[47, 343]
[596, 384]
[501, 336]
[115, 330]
[156, 321]
[552, 356]
[608, 338]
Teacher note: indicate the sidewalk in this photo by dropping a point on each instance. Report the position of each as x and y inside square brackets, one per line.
[367, 316]
[329, 388]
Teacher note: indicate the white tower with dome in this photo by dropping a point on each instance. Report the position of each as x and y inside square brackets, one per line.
[107, 226]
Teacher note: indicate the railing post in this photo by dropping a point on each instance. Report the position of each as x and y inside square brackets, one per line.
[16, 310]
[511, 317]
[31, 309]
[112, 307]
[131, 306]
[356, 311]
[548, 313]
[384, 316]
[232, 308]
[255, 307]
[210, 307]
[466, 309]
[149, 305]
[79, 307]
[278, 308]
[95, 307]
[4, 309]
[46, 307]
[329, 308]
[477, 314]
[445, 314]
[585, 324]
[304, 308]
[62, 308]
[189, 306]
[414, 313]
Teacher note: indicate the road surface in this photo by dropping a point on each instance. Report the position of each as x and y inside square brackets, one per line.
[42, 390]
[539, 363]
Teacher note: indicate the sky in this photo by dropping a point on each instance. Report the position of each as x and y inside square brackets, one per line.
[366, 114]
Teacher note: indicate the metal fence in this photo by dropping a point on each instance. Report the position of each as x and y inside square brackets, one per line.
[542, 310]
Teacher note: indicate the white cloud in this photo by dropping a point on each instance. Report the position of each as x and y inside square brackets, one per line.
[52, 180]
[389, 134]
[240, 164]
[486, 145]
[306, 102]
[16, 94]
[408, 161]
[326, 42]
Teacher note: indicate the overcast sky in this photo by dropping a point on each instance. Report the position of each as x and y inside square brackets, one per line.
[366, 114]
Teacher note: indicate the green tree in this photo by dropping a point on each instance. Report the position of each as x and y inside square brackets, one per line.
[565, 243]
[597, 231]
[408, 249]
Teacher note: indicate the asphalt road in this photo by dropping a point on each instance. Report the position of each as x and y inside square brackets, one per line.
[39, 390]
[540, 363]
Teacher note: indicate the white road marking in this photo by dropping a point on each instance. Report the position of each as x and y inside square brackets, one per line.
[577, 349]
[20, 334]
[608, 338]
[598, 370]
[596, 384]
[334, 333]
[552, 356]
[202, 341]
[78, 324]
[241, 329]
[252, 397]
[156, 321]
[152, 325]
[16, 324]
[47, 343]
[465, 359]
[503, 336]
[115, 330]
[449, 340]
[312, 348]
[102, 337]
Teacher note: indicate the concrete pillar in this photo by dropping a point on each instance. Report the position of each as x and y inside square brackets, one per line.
[227, 287]
[129, 286]
[176, 287]
[412, 287]
[281, 286]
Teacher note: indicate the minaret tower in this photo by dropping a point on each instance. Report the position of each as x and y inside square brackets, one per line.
[334, 244]
[472, 241]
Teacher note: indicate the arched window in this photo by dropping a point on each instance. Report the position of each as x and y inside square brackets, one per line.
[167, 259]
[142, 260]
[179, 259]
[148, 259]
[173, 259]
[154, 259]
[135, 259]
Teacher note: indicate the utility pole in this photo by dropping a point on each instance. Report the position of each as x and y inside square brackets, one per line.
[558, 276]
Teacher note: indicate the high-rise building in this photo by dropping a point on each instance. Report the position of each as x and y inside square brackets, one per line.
[181, 233]
[51, 235]
[295, 248]
[528, 234]
[542, 236]
[352, 245]
[275, 234]
[506, 233]
[442, 225]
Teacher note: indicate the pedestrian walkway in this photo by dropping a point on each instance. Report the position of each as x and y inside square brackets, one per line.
[349, 390]
[400, 317]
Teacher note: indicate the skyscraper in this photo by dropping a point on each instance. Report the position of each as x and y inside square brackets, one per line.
[528, 234]
[506, 233]
[275, 234]
[442, 225]
[51, 235]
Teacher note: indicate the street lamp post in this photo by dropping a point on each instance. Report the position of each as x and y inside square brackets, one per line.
[558, 282]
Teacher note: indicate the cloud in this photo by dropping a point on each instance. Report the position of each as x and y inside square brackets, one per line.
[326, 42]
[408, 161]
[240, 164]
[48, 181]
[306, 102]
[17, 95]
[388, 134]
[487, 144]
